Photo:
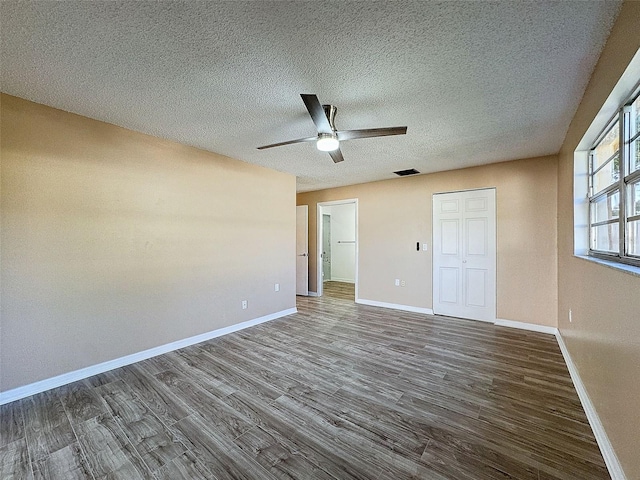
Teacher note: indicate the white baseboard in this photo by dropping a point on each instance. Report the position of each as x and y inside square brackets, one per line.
[526, 326]
[65, 378]
[492, 322]
[343, 280]
[395, 306]
[609, 455]
[312, 294]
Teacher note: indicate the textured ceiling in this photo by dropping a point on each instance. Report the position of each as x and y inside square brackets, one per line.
[475, 82]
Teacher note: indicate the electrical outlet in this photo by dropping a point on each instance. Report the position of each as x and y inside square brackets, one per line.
[245, 304]
[424, 247]
[397, 282]
[403, 283]
[570, 318]
[276, 287]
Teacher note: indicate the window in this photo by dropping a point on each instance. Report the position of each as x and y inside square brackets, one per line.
[614, 187]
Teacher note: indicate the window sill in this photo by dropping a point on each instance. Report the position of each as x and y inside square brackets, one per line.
[621, 267]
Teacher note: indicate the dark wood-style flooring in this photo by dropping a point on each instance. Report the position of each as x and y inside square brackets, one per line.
[343, 290]
[337, 391]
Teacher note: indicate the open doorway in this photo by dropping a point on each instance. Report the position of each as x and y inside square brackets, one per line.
[338, 249]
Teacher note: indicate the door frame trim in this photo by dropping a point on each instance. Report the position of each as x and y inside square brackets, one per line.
[319, 212]
[328, 214]
[307, 249]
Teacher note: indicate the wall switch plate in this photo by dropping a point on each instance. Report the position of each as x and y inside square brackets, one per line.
[276, 287]
[403, 283]
[244, 304]
[397, 282]
[424, 247]
[570, 319]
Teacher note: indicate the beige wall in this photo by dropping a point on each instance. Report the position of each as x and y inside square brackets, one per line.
[395, 214]
[604, 337]
[114, 242]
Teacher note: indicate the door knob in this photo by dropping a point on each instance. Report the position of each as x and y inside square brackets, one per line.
[302, 255]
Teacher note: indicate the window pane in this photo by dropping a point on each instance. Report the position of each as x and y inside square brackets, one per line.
[635, 155]
[635, 128]
[606, 238]
[633, 194]
[635, 116]
[609, 174]
[633, 238]
[607, 147]
[606, 208]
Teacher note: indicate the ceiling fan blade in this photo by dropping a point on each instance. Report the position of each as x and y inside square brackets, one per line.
[317, 113]
[370, 132]
[336, 155]
[299, 140]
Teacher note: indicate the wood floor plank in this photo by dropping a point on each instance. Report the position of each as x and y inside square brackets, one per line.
[218, 414]
[341, 290]
[224, 459]
[14, 461]
[108, 451]
[152, 440]
[11, 423]
[524, 448]
[353, 443]
[291, 363]
[247, 380]
[533, 417]
[315, 445]
[104, 378]
[184, 467]
[161, 400]
[381, 422]
[47, 424]
[80, 401]
[187, 366]
[277, 458]
[476, 458]
[317, 448]
[558, 463]
[68, 463]
[275, 377]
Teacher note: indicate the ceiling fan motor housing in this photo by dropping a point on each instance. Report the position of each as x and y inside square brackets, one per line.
[327, 142]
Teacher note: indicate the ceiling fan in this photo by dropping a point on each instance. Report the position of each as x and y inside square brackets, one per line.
[328, 138]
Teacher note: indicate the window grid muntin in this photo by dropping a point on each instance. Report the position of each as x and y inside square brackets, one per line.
[611, 128]
[606, 162]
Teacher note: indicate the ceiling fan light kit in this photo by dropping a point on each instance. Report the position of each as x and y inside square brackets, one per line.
[328, 139]
[327, 142]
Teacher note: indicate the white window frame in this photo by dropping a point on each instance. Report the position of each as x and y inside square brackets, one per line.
[622, 121]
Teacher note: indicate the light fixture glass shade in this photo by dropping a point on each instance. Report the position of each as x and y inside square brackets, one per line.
[327, 142]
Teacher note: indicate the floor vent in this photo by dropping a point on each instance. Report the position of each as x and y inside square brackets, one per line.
[404, 173]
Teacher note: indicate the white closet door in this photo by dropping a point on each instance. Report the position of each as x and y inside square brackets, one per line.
[464, 254]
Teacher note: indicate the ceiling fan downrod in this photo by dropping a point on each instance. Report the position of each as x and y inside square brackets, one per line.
[330, 111]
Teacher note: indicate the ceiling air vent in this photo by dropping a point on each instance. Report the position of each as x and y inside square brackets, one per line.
[404, 173]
